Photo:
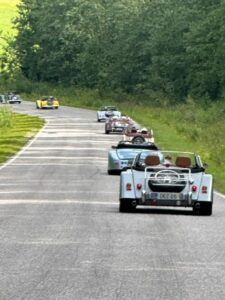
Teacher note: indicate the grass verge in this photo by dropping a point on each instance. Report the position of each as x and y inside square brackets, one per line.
[15, 131]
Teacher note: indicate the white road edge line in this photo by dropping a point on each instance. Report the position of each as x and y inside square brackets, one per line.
[22, 201]
[219, 194]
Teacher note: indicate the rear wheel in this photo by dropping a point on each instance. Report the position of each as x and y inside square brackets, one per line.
[205, 209]
[126, 205]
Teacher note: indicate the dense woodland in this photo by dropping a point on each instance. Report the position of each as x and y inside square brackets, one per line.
[176, 47]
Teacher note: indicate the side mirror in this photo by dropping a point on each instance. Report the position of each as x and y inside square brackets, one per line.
[205, 165]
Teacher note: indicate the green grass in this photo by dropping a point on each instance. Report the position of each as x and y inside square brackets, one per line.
[15, 131]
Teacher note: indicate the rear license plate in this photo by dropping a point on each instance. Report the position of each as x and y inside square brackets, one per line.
[165, 196]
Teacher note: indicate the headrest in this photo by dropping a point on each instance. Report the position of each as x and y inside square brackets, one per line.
[183, 161]
[152, 160]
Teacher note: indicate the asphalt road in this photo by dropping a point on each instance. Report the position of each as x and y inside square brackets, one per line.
[62, 237]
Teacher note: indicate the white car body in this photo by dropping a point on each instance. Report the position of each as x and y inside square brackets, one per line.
[106, 112]
[166, 184]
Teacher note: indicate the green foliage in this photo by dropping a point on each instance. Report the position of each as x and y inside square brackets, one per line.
[143, 47]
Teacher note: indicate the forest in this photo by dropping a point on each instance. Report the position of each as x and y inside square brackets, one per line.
[174, 47]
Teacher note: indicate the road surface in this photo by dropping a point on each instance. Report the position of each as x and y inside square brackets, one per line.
[62, 237]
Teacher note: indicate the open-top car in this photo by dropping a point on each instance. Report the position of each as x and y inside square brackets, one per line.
[122, 155]
[47, 102]
[14, 98]
[138, 135]
[106, 112]
[167, 178]
[117, 124]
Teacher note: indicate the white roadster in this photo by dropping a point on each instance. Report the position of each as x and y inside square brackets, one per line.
[167, 178]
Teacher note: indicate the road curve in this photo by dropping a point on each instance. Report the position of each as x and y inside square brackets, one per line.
[62, 237]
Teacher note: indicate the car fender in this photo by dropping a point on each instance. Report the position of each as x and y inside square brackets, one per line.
[112, 159]
[38, 103]
[127, 178]
[139, 183]
[206, 194]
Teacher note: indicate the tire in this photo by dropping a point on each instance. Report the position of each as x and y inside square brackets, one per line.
[204, 210]
[106, 131]
[98, 120]
[126, 206]
[138, 139]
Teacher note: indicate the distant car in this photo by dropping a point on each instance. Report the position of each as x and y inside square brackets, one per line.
[47, 102]
[167, 178]
[122, 155]
[117, 124]
[138, 135]
[13, 99]
[3, 99]
[106, 112]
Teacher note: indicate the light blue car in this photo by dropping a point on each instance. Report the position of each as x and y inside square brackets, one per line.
[122, 155]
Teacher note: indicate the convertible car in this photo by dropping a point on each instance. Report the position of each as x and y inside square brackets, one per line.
[47, 102]
[138, 135]
[117, 124]
[167, 178]
[106, 112]
[122, 155]
[13, 98]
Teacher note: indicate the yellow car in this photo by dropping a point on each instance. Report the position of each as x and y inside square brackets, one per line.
[47, 102]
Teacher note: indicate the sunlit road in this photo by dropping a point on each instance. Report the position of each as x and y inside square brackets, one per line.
[62, 237]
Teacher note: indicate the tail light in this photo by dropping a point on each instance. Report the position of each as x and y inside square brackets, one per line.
[139, 186]
[129, 186]
[194, 188]
[204, 189]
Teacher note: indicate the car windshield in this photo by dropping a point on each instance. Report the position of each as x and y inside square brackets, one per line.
[144, 154]
[108, 108]
[171, 158]
[129, 153]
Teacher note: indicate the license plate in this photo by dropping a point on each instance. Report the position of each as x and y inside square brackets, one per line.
[119, 129]
[165, 196]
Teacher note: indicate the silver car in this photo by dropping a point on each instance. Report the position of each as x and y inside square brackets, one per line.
[122, 155]
[167, 178]
[106, 112]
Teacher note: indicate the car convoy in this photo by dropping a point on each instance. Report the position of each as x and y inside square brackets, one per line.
[150, 176]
